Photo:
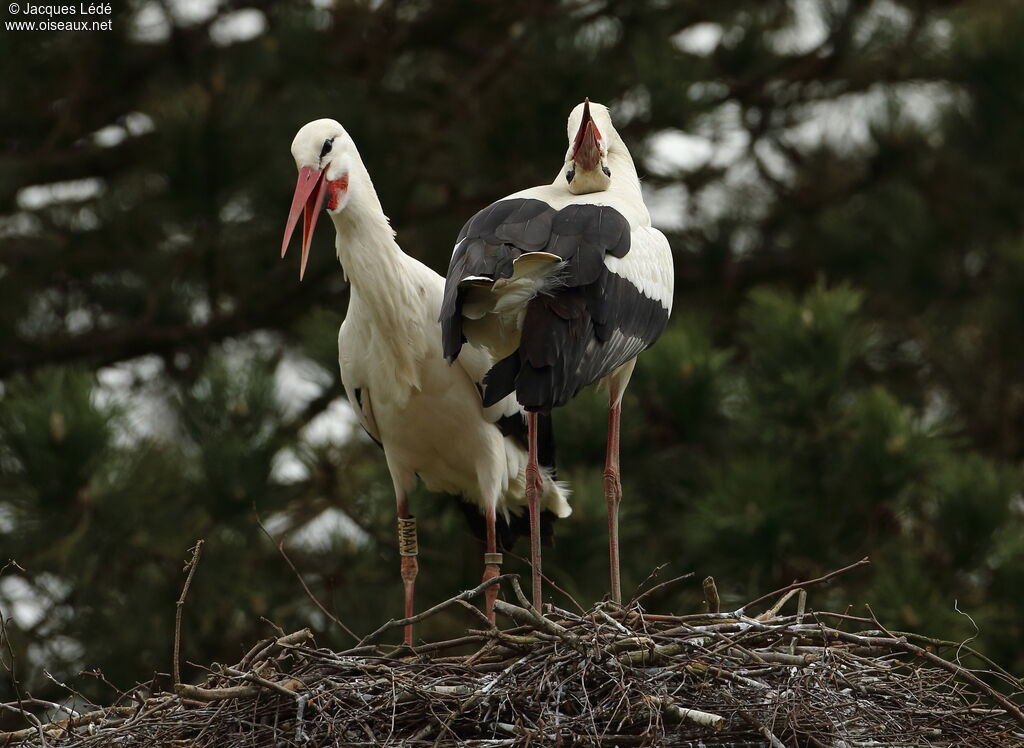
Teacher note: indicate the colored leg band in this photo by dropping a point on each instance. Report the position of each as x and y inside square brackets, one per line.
[407, 545]
[493, 558]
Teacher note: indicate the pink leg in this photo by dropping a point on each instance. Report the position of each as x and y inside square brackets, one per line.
[492, 564]
[534, 487]
[613, 494]
[408, 549]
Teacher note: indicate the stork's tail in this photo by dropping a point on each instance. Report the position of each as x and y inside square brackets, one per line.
[554, 499]
[532, 273]
[513, 517]
[515, 523]
[511, 528]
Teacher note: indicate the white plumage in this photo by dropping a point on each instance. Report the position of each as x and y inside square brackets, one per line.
[427, 415]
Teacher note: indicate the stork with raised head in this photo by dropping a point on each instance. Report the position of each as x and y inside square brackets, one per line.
[564, 284]
[428, 417]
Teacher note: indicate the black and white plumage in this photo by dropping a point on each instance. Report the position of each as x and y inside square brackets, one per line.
[591, 321]
[427, 416]
[564, 284]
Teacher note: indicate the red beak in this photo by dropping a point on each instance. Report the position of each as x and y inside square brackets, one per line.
[310, 192]
[586, 149]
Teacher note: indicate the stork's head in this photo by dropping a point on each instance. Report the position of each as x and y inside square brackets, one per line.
[323, 152]
[586, 161]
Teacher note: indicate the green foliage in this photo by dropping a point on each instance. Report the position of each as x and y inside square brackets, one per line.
[230, 417]
[840, 377]
[682, 389]
[800, 353]
[56, 439]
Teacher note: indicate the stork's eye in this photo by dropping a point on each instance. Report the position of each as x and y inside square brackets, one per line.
[570, 175]
[327, 147]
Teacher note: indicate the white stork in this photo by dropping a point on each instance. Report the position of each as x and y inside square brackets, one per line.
[564, 284]
[427, 416]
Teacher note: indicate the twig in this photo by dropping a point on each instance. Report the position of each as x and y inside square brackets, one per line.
[282, 642]
[966, 674]
[37, 729]
[476, 613]
[98, 675]
[532, 617]
[599, 611]
[654, 572]
[661, 586]
[550, 582]
[941, 642]
[946, 665]
[278, 629]
[287, 688]
[762, 729]
[84, 701]
[198, 693]
[11, 562]
[280, 548]
[777, 606]
[467, 595]
[909, 635]
[5, 637]
[711, 598]
[680, 714]
[650, 656]
[190, 567]
[517, 590]
[256, 649]
[31, 701]
[798, 585]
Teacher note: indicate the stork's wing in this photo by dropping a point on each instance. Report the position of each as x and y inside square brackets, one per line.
[611, 300]
[357, 388]
[360, 398]
[579, 334]
[476, 362]
[493, 239]
[629, 304]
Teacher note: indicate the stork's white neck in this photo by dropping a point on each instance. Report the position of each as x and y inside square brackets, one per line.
[620, 163]
[382, 287]
[366, 243]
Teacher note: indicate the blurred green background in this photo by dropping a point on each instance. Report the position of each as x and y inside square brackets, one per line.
[842, 183]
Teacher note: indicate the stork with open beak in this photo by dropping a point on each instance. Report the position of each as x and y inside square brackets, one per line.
[564, 285]
[586, 161]
[427, 416]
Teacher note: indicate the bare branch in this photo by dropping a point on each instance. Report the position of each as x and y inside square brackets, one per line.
[280, 548]
[810, 583]
[190, 567]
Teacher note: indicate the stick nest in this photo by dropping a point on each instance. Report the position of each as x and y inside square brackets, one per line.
[610, 676]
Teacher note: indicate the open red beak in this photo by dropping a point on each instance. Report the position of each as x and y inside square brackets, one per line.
[586, 148]
[310, 192]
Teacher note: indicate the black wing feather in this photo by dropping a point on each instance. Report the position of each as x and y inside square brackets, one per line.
[595, 320]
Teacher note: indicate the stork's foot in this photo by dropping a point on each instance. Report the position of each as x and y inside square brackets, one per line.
[492, 569]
